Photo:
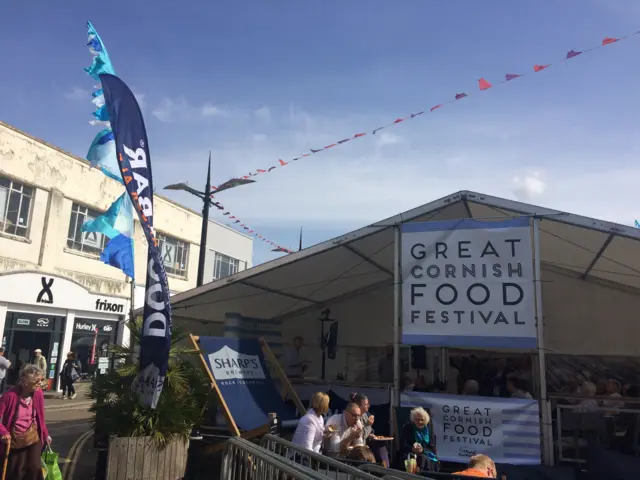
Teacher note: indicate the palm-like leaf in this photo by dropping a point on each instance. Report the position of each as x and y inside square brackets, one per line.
[117, 410]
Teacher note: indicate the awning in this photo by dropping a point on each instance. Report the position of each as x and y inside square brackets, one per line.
[585, 250]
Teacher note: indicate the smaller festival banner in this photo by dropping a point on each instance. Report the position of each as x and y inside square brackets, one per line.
[505, 429]
[468, 283]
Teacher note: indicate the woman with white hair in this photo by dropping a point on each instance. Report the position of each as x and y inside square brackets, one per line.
[22, 423]
[587, 389]
[417, 438]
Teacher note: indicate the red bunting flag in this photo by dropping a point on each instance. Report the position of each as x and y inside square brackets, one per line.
[483, 84]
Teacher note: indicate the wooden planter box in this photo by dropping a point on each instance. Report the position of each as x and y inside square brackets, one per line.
[137, 458]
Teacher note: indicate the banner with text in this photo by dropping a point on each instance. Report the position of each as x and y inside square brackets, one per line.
[505, 429]
[468, 283]
[134, 161]
[241, 373]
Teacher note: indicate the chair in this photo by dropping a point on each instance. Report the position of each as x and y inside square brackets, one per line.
[242, 384]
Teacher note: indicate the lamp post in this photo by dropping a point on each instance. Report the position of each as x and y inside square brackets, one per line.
[206, 204]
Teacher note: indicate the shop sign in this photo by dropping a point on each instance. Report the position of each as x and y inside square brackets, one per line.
[40, 323]
[90, 326]
[43, 322]
[30, 288]
[107, 306]
[46, 294]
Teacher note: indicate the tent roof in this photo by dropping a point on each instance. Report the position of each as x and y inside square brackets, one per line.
[362, 260]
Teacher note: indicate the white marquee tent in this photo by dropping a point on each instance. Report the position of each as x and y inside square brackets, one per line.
[590, 281]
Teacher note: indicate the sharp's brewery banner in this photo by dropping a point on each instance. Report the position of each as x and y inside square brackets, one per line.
[505, 429]
[241, 374]
[468, 283]
[132, 149]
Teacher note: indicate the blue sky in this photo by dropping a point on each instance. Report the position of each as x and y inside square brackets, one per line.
[255, 81]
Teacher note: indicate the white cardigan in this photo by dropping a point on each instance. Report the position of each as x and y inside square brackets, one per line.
[309, 431]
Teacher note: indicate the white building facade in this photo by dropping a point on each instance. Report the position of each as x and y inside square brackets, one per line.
[55, 293]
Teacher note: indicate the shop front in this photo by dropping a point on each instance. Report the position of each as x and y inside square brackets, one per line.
[57, 315]
[90, 342]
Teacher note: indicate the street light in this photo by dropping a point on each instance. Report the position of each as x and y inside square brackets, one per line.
[207, 202]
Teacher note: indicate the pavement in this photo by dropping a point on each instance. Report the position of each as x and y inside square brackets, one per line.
[69, 423]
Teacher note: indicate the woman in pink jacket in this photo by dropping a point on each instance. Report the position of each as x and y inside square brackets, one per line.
[22, 422]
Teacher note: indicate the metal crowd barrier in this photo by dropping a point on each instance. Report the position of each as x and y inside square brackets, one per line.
[616, 429]
[244, 460]
[329, 467]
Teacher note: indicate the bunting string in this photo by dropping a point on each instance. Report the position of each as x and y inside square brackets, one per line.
[235, 221]
[482, 85]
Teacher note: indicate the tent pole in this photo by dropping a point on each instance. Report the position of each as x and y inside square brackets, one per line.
[397, 318]
[547, 432]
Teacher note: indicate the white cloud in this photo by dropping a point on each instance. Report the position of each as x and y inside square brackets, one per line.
[210, 110]
[528, 188]
[263, 114]
[179, 110]
[387, 139]
[357, 183]
[77, 93]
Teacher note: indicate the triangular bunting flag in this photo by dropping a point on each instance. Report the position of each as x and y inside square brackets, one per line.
[483, 84]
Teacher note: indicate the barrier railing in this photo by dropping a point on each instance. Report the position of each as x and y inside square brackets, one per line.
[612, 428]
[327, 466]
[244, 460]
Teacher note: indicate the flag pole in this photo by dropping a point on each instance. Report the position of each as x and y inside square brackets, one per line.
[132, 294]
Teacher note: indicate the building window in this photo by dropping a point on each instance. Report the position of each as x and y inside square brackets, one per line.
[87, 242]
[175, 254]
[15, 207]
[224, 266]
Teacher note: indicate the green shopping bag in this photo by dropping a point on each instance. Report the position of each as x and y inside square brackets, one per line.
[50, 460]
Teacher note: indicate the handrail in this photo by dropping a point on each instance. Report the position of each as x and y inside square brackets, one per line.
[245, 460]
[272, 442]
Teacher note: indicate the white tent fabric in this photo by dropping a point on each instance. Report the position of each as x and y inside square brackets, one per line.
[590, 280]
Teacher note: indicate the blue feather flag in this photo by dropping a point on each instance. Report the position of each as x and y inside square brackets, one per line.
[117, 222]
[117, 225]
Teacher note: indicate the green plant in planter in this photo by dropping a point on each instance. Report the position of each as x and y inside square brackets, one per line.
[117, 410]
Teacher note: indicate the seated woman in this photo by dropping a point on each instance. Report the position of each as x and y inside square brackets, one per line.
[310, 431]
[378, 449]
[416, 437]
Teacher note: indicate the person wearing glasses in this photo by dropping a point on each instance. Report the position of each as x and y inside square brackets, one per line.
[23, 424]
[348, 427]
[480, 466]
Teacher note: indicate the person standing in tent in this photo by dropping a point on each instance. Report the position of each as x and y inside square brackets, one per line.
[294, 365]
